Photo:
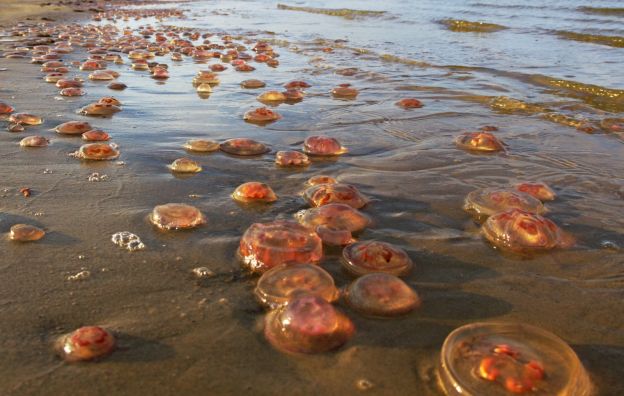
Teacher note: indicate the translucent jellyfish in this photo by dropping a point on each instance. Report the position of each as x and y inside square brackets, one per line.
[323, 194]
[267, 245]
[201, 145]
[271, 97]
[25, 119]
[272, 63]
[204, 88]
[62, 84]
[380, 294]
[34, 141]
[254, 192]
[117, 86]
[367, 257]
[72, 92]
[90, 66]
[185, 165]
[524, 232]
[308, 324]
[206, 77]
[297, 84]
[279, 285]
[409, 103]
[95, 135]
[86, 343]
[344, 91]
[540, 191]
[479, 141]
[291, 158]
[109, 100]
[334, 223]
[73, 128]
[53, 77]
[261, 116]
[243, 146]
[253, 84]
[102, 75]
[510, 358]
[217, 67]
[97, 152]
[176, 216]
[323, 145]
[5, 108]
[487, 201]
[160, 73]
[25, 233]
[321, 179]
[100, 110]
[293, 95]
[245, 67]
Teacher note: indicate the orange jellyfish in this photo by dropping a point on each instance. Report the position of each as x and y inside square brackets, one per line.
[54, 77]
[252, 84]
[25, 233]
[109, 100]
[245, 67]
[321, 179]
[380, 294]
[95, 135]
[297, 84]
[367, 257]
[117, 86]
[176, 216]
[293, 95]
[5, 108]
[344, 91]
[100, 110]
[102, 75]
[185, 165]
[160, 73]
[271, 97]
[25, 119]
[291, 158]
[34, 141]
[72, 92]
[97, 152]
[73, 128]
[217, 67]
[261, 116]
[86, 343]
[201, 145]
[254, 192]
[540, 191]
[243, 147]
[62, 84]
[487, 201]
[409, 103]
[323, 194]
[334, 223]
[479, 141]
[323, 146]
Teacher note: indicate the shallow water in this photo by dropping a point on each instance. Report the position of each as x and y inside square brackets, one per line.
[180, 335]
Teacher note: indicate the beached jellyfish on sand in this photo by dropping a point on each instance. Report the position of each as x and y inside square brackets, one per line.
[261, 116]
[487, 201]
[308, 324]
[479, 141]
[25, 233]
[254, 192]
[271, 97]
[184, 165]
[409, 103]
[366, 257]
[243, 146]
[524, 232]
[72, 92]
[25, 119]
[291, 158]
[252, 84]
[62, 84]
[100, 110]
[540, 191]
[86, 343]
[510, 359]
[98, 152]
[53, 77]
[266, 245]
[176, 216]
[334, 223]
[201, 145]
[102, 75]
[73, 128]
[344, 91]
[380, 294]
[297, 84]
[279, 285]
[109, 100]
[95, 135]
[34, 141]
[323, 146]
[321, 179]
[217, 67]
[323, 194]
[5, 108]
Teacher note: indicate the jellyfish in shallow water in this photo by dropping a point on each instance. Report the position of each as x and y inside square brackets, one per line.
[278, 285]
[5, 108]
[53, 77]
[25, 233]
[261, 116]
[409, 103]
[25, 119]
[243, 146]
[540, 191]
[297, 84]
[34, 141]
[367, 257]
[271, 97]
[479, 141]
[206, 77]
[487, 201]
[204, 88]
[95, 135]
[266, 245]
[109, 100]
[97, 152]
[185, 165]
[334, 223]
[323, 194]
[323, 146]
[244, 67]
[86, 343]
[344, 91]
[252, 84]
[117, 86]
[291, 158]
[176, 216]
[102, 75]
[100, 110]
[254, 192]
[523, 232]
[72, 92]
[321, 179]
[293, 95]
[62, 84]
[73, 128]
[380, 294]
[201, 145]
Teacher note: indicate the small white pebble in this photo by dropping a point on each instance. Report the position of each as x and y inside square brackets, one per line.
[82, 275]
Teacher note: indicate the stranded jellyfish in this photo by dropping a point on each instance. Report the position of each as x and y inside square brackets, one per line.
[321, 179]
[100, 110]
[95, 135]
[184, 165]
[271, 97]
[25, 119]
[323, 194]
[344, 91]
[510, 358]
[5, 108]
[297, 84]
[243, 146]
[487, 201]
[176, 216]
[201, 145]
[479, 141]
[291, 158]
[25, 233]
[293, 95]
[117, 86]
[102, 75]
[537, 190]
[72, 92]
[409, 103]
[279, 285]
[69, 84]
[254, 192]
[308, 324]
[34, 141]
[267, 245]
[261, 115]
[205, 77]
[86, 343]
[523, 232]
[334, 223]
[109, 100]
[97, 152]
[366, 257]
[53, 77]
[73, 128]
[380, 294]
[323, 145]
[253, 84]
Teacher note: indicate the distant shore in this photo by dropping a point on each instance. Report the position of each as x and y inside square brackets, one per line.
[35, 10]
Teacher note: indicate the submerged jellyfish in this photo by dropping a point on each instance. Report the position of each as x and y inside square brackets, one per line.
[380, 294]
[5, 108]
[344, 91]
[261, 116]
[323, 145]
[97, 152]
[25, 233]
[206, 77]
[100, 110]
[487, 201]
[321, 179]
[86, 343]
[279, 285]
[271, 97]
[73, 128]
[201, 145]
[537, 190]
[297, 84]
[25, 119]
[334, 223]
[176, 216]
[95, 135]
[409, 103]
[291, 158]
[204, 88]
[185, 165]
[243, 146]
[34, 141]
[479, 141]
[293, 95]
[366, 257]
[254, 192]
[252, 84]
[323, 194]
[308, 324]
[267, 245]
[72, 92]
[524, 232]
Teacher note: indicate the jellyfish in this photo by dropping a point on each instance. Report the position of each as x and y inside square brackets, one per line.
[479, 141]
[261, 116]
[204, 88]
[201, 145]
[25, 233]
[117, 86]
[184, 165]
[540, 191]
[243, 147]
[100, 110]
[280, 284]
[293, 95]
[217, 67]
[109, 100]
[297, 84]
[95, 135]
[367, 257]
[102, 75]
[25, 119]
[73, 128]
[271, 97]
[291, 158]
[5, 108]
[272, 63]
[72, 92]
[86, 343]
[334, 223]
[381, 294]
[253, 84]
[62, 84]
[245, 67]
[205, 77]
[15, 127]
[323, 194]
[254, 192]
[160, 73]
[53, 77]
[323, 146]
[409, 103]
[487, 201]
[97, 152]
[608, 124]
[344, 91]
[176, 216]
[321, 179]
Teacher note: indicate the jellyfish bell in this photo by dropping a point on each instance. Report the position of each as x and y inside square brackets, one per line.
[367, 257]
[487, 201]
[201, 145]
[254, 192]
[381, 295]
[344, 91]
[98, 152]
[243, 147]
[117, 86]
[25, 119]
[293, 95]
[321, 179]
[53, 77]
[100, 110]
[86, 343]
[25, 233]
[73, 128]
[69, 92]
[323, 146]
[102, 75]
[479, 141]
[409, 103]
[252, 84]
[297, 84]
[176, 216]
[291, 158]
[323, 194]
[271, 97]
[34, 141]
[184, 165]
[5, 109]
[261, 116]
[334, 223]
[95, 135]
[109, 100]
[537, 190]
[69, 84]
